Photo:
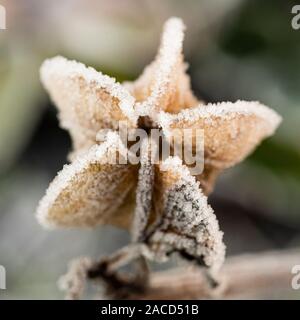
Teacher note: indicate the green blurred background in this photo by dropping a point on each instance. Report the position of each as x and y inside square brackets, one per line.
[243, 49]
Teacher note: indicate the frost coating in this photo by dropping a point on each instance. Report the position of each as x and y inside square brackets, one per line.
[74, 282]
[225, 110]
[187, 225]
[88, 191]
[164, 83]
[172, 214]
[231, 132]
[169, 52]
[143, 193]
[71, 69]
[87, 100]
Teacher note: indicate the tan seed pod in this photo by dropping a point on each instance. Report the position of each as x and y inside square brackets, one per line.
[171, 210]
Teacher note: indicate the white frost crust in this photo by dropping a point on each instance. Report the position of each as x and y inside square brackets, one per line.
[144, 191]
[214, 252]
[225, 110]
[95, 154]
[169, 51]
[65, 68]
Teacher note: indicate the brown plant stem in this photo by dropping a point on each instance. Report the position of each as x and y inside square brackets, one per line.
[245, 276]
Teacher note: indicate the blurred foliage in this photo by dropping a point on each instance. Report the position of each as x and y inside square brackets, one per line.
[19, 108]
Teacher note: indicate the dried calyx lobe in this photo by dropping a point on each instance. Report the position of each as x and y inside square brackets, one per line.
[174, 215]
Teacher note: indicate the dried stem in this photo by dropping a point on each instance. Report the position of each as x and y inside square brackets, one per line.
[245, 276]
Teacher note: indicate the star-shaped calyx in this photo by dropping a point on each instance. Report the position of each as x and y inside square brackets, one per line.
[171, 212]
